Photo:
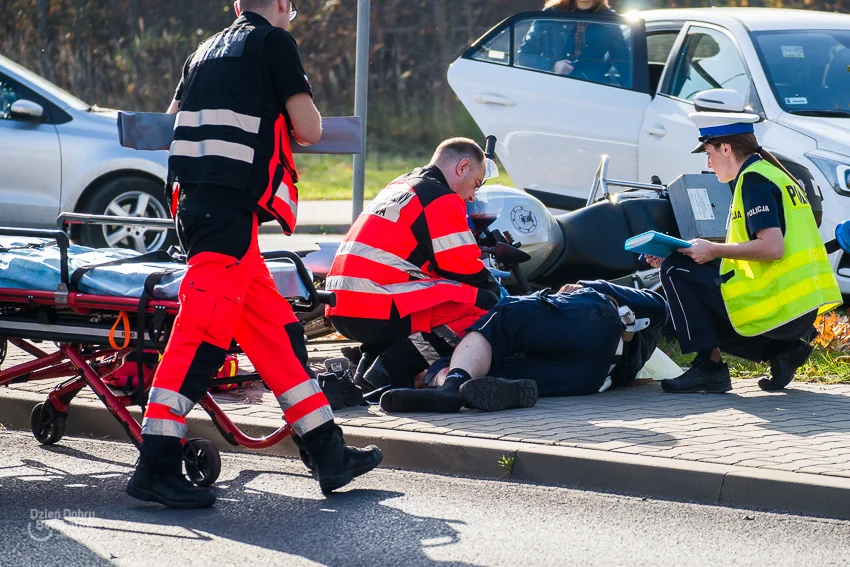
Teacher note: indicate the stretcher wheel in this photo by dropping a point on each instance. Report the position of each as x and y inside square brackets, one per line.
[202, 461]
[48, 425]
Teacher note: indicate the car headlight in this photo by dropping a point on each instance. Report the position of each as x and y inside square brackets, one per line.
[836, 169]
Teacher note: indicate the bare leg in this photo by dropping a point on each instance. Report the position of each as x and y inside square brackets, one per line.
[473, 355]
[715, 355]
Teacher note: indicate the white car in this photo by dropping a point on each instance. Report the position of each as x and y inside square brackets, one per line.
[59, 154]
[791, 66]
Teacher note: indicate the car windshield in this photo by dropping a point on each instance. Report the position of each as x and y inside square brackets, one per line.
[43, 85]
[809, 70]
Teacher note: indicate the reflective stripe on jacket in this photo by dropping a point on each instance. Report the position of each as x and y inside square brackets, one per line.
[411, 247]
[761, 296]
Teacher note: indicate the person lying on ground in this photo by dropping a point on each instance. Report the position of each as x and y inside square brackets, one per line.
[586, 338]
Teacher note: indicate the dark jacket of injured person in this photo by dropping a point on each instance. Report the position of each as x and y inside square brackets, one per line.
[572, 343]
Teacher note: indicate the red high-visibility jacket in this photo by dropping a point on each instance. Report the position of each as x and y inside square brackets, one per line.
[412, 247]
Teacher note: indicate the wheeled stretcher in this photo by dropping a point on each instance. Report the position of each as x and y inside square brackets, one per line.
[105, 309]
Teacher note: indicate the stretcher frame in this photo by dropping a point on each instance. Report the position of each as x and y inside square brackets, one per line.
[80, 324]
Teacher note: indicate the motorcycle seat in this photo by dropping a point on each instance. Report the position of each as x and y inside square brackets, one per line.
[594, 238]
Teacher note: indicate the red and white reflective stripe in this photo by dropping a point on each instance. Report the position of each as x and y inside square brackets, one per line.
[305, 407]
[363, 285]
[217, 117]
[298, 393]
[428, 352]
[283, 194]
[312, 420]
[382, 257]
[164, 427]
[451, 241]
[179, 404]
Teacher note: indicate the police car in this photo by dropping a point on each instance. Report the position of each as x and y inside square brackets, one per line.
[791, 66]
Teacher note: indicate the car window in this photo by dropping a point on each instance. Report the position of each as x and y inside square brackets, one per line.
[497, 50]
[709, 60]
[9, 93]
[599, 52]
[808, 70]
[659, 45]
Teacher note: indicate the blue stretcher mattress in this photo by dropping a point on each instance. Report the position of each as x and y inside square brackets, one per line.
[33, 263]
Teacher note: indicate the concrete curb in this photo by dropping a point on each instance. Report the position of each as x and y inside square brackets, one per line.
[584, 469]
[270, 228]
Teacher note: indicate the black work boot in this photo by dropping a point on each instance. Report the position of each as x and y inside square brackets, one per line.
[365, 362]
[340, 392]
[784, 365]
[429, 400]
[704, 377]
[159, 476]
[445, 399]
[335, 464]
[490, 393]
[337, 386]
[377, 375]
[302, 452]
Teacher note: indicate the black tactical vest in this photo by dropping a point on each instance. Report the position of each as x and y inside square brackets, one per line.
[224, 133]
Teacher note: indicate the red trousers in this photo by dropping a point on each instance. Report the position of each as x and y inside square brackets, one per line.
[223, 296]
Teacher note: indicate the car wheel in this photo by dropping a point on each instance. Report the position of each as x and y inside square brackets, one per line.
[128, 197]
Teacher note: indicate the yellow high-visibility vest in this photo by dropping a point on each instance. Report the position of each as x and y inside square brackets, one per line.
[761, 296]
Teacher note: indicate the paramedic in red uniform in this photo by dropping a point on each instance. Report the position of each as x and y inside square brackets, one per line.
[241, 95]
[410, 268]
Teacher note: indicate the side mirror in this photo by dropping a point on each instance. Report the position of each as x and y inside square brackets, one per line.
[26, 110]
[509, 255]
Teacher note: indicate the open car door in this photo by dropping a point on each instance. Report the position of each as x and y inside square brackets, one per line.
[558, 90]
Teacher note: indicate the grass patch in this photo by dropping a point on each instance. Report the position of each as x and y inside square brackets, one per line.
[824, 366]
[507, 462]
[328, 177]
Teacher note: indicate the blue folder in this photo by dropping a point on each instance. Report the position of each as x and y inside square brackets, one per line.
[654, 243]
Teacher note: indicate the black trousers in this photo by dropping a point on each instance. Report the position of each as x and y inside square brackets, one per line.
[404, 355]
[701, 320]
[568, 352]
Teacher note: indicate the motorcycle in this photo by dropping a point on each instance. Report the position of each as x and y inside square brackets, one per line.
[552, 250]
[587, 243]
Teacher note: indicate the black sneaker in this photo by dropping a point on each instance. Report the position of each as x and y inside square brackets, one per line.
[173, 491]
[704, 378]
[496, 394]
[784, 366]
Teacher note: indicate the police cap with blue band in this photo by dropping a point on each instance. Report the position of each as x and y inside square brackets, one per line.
[720, 113]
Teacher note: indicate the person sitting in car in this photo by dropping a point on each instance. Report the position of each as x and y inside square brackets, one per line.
[575, 48]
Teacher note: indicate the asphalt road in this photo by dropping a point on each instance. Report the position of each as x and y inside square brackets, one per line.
[271, 513]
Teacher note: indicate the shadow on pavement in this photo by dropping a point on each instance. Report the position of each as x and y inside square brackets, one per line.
[353, 527]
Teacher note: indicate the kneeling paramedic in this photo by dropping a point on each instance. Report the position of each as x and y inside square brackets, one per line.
[409, 273]
[587, 338]
[760, 300]
[241, 93]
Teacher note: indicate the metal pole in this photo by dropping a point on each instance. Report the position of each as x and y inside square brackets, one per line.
[361, 104]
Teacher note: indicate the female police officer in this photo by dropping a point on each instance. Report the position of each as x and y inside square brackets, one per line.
[756, 295]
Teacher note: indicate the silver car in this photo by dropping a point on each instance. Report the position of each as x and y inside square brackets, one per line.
[59, 154]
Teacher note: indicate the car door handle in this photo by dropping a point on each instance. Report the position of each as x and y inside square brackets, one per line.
[484, 98]
[659, 131]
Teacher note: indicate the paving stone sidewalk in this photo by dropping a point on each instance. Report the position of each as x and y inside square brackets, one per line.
[804, 429]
